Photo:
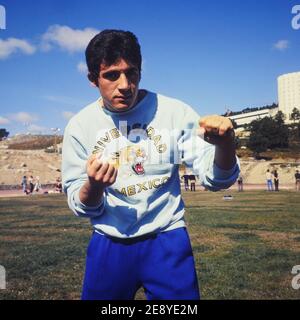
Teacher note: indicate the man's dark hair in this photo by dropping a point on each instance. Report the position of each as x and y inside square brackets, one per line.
[109, 46]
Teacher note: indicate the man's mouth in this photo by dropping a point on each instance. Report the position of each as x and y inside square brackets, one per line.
[124, 98]
[138, 168]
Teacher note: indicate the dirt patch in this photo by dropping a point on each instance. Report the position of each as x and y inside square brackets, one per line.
[280, 240]
[25, 239]
[216, 241]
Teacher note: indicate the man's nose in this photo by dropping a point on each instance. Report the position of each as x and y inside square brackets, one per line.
[123, 82]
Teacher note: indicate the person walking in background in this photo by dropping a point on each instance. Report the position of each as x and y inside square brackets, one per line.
[276, 180]
[297, 180]
[269, 180]
[24, 184]
[192, 179]
[240, 183]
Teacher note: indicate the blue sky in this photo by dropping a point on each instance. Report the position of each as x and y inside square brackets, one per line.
[213, 55]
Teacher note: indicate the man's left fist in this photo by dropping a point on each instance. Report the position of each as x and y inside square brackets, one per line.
[216, 130]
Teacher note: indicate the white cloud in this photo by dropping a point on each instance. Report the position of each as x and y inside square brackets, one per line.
[281, 45]
[64, 37]
[24, 117]
[12, 45]
[68, 115]
[4, 120]
[33, 128]
[67, 38]
[82, 67]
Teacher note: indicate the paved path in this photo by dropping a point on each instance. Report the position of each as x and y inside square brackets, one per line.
[20, 193]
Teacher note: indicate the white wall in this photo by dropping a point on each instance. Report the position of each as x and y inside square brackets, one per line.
[289, 92]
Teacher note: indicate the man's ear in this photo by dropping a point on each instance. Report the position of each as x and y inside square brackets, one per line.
[92, 80]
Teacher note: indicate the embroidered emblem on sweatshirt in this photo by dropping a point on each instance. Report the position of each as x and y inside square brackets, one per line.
[131, 156]
[139, 157]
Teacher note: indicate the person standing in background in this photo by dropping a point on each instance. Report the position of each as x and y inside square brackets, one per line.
[186, 181]
[58, 185]
[269, 180]
[31, 184]
[297, 180]
[240, 183]
[24, 184]
[276, 180]
[192, 178]
[37, 185]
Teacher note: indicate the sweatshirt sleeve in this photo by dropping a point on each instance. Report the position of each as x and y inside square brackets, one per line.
[74, 157]
[199, 155]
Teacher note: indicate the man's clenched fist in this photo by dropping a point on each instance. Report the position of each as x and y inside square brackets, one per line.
[216, 130]
[102, 174]
[219, 131]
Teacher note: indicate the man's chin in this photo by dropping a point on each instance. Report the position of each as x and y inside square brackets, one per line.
[122, 107]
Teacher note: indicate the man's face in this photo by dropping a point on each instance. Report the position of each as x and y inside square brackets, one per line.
[118, 85]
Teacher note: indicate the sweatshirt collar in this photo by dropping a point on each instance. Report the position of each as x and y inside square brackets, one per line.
[134, 109]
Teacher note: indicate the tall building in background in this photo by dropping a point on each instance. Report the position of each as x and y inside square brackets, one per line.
[289, 93]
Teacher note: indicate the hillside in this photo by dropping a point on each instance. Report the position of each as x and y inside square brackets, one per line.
[16, 163]
[32, 160]
[32, 142]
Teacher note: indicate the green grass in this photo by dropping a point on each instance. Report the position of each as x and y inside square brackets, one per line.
[244, 248]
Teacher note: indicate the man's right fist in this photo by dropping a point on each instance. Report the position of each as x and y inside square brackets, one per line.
[100, 173]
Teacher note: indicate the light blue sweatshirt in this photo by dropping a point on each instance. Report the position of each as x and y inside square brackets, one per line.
[149, 141]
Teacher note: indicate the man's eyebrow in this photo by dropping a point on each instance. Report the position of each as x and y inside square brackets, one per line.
[117, 70]
[110, 71]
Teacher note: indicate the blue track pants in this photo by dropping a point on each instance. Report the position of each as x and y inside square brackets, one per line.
[162, 264]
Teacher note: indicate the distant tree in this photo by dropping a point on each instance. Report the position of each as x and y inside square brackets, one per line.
[268, 133]
[257, 143]
[295, 115]
[3, 134]
[294, 134]
[279, 118]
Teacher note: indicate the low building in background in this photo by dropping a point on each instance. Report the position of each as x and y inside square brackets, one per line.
[288, 99]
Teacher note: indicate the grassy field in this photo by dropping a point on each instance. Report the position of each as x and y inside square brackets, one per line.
[244, 248]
